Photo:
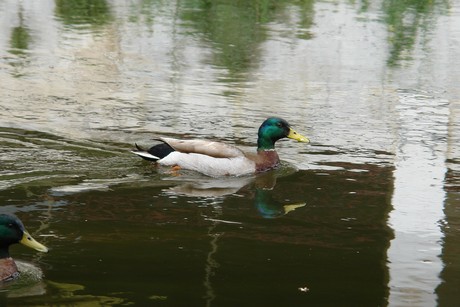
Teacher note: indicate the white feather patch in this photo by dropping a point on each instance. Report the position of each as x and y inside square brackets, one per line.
[145, 154]
[210, 166]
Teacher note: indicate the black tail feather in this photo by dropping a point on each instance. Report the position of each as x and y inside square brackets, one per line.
[154, 153]
[160, 150]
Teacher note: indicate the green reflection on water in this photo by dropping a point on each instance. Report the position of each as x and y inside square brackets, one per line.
[234, 27]
[77, 12]
[238, 28]
[406, 21]
[20, 39]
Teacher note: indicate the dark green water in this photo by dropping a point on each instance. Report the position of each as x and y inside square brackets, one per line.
[365, 215]
[147, 238]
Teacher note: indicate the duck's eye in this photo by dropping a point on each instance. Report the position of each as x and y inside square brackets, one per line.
[10, 225]
[279, 125]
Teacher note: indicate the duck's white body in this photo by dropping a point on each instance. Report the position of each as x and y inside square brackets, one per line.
[210, 158]
[210, 166]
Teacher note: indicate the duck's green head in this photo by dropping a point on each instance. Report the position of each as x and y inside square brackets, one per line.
[12, 231]
[273, 129]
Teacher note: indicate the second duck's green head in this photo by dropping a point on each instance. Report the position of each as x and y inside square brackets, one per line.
[273, 129]
[12, 231]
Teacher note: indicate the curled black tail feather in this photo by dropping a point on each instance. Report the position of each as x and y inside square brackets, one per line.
[157, 152]
[160, 150]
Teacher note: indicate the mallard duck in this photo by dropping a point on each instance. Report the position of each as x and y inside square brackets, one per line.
[12, 231]
[217, 159]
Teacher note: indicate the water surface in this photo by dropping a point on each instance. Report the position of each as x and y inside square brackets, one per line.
[365, 215]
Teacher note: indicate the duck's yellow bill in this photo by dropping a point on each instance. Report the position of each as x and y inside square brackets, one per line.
[292, 207]
[27, 240]
[298, 137]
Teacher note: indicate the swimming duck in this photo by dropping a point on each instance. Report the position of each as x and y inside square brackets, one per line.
[12, 231]
[217, 159]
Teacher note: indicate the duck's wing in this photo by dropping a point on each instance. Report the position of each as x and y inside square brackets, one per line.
[204, 147]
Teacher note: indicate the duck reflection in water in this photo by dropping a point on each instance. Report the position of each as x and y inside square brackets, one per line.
[270, 208]
[259, 187]
[266, 204]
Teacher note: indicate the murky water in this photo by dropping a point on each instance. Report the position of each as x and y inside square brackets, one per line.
[366, 215]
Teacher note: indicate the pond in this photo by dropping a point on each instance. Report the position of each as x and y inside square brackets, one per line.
[367, 214]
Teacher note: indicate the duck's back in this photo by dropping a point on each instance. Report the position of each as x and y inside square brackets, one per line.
[205, 147]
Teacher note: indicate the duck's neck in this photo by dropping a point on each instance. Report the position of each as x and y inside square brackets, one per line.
[4, 252]
[265, 143]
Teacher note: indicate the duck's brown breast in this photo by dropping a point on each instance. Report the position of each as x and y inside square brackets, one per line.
[8, 269]
[266, 160]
